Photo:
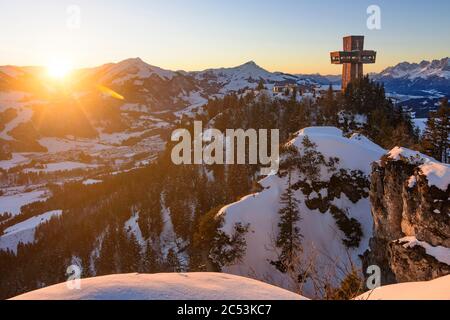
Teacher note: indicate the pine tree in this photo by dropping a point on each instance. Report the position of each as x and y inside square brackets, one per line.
[131, 254]
[106, 263]
[311, 160]
[351, 287]
[429, 137]
[151, 259]
[238, 181]
[443, 129]
[260, 85]
[289, 236]
[330, 108]
[435, 142]
[172, 261]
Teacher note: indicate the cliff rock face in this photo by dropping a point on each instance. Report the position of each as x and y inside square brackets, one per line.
[410, 208]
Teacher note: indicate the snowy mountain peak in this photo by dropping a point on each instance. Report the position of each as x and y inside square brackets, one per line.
[134, 68]
[243, 76]
[133, 61]
[253, 69]
[424, 70]
[250, 64]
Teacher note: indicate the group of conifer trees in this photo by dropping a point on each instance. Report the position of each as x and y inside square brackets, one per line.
[435, 141]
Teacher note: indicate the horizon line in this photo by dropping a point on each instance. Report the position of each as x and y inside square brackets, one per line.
[214, 68]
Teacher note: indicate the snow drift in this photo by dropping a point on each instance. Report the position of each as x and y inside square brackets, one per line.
[170, 286]
[438, 289]
[214, 286]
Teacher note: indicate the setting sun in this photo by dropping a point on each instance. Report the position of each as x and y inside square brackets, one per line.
[59, 69]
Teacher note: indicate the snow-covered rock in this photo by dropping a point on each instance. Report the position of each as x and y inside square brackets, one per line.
[170, 286]
[437, 173]
[441, 254]
[410, 201]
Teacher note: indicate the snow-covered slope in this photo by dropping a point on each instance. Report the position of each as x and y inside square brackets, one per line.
[240, 77]
[133, 68]
[12, 203]
[214, 286]
[173, 286]
[23, 232]
[438, 289]
[322, 239]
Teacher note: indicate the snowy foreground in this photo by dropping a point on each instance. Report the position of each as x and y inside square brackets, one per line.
[438, 289]
[165, 286]
[214, 286]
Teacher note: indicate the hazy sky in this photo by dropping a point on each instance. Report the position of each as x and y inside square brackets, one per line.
[283, 35]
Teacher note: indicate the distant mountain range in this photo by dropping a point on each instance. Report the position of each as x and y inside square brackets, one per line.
[403, 78]
[410, 78]
[135, 96]
[417, 86]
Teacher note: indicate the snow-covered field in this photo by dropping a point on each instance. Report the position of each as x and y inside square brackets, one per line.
[55, 145]
[13, 203]
[62, 166]
[181, 286]
[89, 182]
[16, 160]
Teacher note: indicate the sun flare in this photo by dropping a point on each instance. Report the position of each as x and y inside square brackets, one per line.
[59, 69]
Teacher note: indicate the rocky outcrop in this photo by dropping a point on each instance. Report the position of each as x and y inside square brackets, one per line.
[406, 203]
[410, 264]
